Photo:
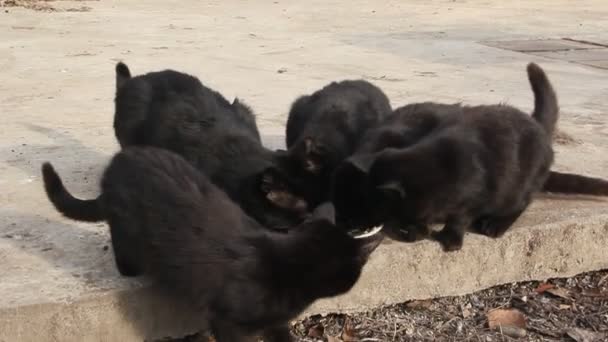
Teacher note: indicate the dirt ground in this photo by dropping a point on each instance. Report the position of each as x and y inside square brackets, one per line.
[571, 309]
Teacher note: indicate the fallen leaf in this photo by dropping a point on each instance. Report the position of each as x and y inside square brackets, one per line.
[506, 317]
[512, 331]
[348, 333]
[333, 339]
[560, 292]
[419, 304]
[316, 331]
[466, 313]
[582, 335]
[544, 287]
[564, 307]
[594, 293]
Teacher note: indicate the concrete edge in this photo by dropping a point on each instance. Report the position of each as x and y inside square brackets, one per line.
[396, 273]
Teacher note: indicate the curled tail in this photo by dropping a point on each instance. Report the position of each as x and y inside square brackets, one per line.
[545, 101]
[123, 74]
[569, 183]
[64, 202]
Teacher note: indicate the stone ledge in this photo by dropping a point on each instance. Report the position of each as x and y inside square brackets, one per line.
[76, 295]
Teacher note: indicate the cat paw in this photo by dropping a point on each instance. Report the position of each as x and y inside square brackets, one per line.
[449, 240]
[486, 228]
[413, 233]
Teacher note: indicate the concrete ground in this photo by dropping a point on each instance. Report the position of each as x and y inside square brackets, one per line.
[58, 281]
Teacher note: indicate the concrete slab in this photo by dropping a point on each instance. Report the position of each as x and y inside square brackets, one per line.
[598, 64]
[540, 45]
[58, 281]
[600, 54]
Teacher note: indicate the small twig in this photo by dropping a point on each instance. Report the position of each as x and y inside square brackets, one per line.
[604, 278]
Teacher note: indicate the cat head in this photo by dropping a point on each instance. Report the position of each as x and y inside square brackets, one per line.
[317, 154]
[287, 186]
[323, 144]
[363, 197]
[335, 257]
[277, 189]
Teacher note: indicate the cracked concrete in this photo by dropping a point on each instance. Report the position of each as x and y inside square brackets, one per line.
[58, 278]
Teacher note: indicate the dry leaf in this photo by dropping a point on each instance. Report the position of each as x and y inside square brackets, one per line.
[559, 292]
[419, 304]
[564, 307]
[333, 339]
[466, 313]
[506, 317]
[512, 331]
[348, 333]
[316, 331]
[594, 293]
[581, 335]
[544, 287]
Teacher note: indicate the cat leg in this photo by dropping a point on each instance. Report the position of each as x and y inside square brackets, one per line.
[452, 234]
[224, 331]
[125, 250]
[416, 232]
[278, 334]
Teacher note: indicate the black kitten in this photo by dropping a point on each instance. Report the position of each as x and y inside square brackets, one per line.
[172, 110]
[324, 128]
[169, 222]
[171, 94]
[473, 167]
[410, 123]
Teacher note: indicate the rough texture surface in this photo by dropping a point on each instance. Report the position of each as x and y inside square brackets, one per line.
[565, 309]
[59, 282]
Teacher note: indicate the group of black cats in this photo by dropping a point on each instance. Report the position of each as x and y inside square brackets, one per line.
[250, 237]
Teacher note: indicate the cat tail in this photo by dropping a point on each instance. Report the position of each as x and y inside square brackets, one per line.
[123, 74]
[569, 183]
[65, 203]
[546, 108]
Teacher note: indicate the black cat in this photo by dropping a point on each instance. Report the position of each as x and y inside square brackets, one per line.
[172, 110]
[324, 128]
[468, 167]
[167, 221]
[410, 123]
[167, 94]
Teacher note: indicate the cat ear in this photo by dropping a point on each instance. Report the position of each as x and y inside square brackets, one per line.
[123, 74]
[242, 107]
[392, 189]
[325, 211]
